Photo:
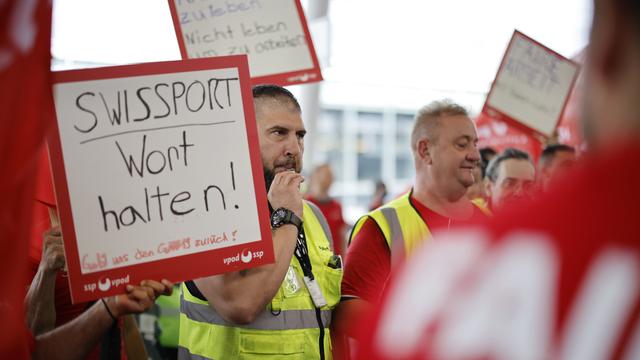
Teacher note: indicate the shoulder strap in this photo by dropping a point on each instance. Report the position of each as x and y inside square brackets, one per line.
[323, 222]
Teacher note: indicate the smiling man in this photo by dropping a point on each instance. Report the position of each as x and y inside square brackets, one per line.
[444, 144]
[282, 309]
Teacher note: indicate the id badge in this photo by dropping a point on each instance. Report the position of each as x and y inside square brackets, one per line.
[291, 282]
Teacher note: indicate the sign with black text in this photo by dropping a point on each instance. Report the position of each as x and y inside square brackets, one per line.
[272, 33]
[532, 86]
[157, 173]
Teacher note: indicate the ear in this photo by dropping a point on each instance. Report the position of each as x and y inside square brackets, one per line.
[424, 150]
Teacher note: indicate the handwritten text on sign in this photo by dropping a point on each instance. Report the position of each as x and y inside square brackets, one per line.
[157, 166]
[532, 85]
[270, 32]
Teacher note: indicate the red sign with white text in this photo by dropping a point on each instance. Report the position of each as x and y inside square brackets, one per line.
[273, 34]
[157, 173]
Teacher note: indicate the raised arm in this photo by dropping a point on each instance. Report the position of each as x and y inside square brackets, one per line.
[240, 296]
[40, 299]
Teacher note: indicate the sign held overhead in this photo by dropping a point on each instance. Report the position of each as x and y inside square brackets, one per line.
[532, 86]
[272, 33]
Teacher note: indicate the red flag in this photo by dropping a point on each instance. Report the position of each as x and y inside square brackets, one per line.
[25, 93]
[500, 135]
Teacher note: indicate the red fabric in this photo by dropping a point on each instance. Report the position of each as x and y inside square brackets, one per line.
[43, 199]
[367, 264]
[368, 261]
[332, 211]
[500, 135]
[25, 89]
[588, 218]
[568, 129]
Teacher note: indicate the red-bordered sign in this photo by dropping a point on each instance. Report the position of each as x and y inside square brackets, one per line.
[273, 34]
[157, 173]
[531, 87]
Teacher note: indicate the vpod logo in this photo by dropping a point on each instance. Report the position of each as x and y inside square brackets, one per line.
[104, 285]
[246, 256]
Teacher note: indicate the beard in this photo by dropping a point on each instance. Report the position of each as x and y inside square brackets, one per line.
[269, 175]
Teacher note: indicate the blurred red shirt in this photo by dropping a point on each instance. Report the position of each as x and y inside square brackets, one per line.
[559, 278]
[368, 262]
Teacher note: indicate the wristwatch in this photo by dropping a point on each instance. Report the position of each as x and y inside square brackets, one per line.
[282, 216]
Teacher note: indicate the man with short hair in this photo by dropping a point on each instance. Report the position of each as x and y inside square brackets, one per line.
[444, 144]
[555, 161]
[281, 309]
[511, 177]
[556, 279]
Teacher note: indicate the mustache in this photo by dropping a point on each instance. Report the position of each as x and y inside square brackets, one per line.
[289, 163]
[269, 174]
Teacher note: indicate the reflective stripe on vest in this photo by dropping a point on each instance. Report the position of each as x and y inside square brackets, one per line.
[400, 224]
[396, 245]
[285, 320]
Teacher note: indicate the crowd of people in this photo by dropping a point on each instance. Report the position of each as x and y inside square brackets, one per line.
[488, 254]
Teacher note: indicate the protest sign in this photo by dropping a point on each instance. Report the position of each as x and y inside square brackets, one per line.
[272, 33]
[157, 173]
[531, 87]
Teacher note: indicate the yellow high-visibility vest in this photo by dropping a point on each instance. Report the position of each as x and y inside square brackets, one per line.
[289, 327]
[401, 224]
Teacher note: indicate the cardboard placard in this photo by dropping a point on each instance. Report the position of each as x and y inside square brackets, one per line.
[532, 86]
[272, 33]
[157, 173]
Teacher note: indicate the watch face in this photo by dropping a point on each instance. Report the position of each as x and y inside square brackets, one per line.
[277, 217]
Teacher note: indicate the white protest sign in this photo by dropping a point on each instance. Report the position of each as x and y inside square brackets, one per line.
[157, 173]
[532, 85]
[272, 33]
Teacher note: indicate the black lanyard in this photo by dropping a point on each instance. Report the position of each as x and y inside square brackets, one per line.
[302, 254]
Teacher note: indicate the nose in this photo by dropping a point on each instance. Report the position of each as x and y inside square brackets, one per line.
[293, 146]
[474, 155]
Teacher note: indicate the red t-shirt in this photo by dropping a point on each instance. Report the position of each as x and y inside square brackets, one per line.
[332, 211]
[559, 278]
[368, 261]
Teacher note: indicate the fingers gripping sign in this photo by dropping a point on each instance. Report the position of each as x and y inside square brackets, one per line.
[53, 258]
[140, 298]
